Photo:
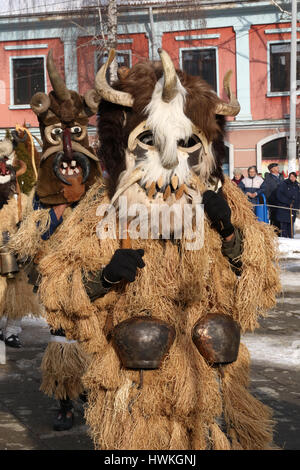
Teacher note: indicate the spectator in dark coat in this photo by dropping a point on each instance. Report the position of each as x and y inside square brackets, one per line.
[288, 196]
[237, 176]
[251, 185]
[269, 188]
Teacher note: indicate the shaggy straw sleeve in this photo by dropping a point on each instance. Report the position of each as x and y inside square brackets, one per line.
[16, 296]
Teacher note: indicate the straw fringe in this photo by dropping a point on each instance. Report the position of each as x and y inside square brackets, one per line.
[180, 403]
[9, 214]
[27, 242]
[62, 367]
[18, 299]
[179, 438]
[259, 258]
[245, 415]
[16, 296]
[218, 439]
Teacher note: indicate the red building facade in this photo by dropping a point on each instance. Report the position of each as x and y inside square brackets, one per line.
[252, 41]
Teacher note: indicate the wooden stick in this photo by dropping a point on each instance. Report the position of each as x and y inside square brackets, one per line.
[126, 242]
[25, 130]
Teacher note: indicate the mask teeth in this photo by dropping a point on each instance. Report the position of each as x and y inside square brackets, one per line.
[152, 190]
[174, 182]
[179, 193]
[167, 192]
[160, 182]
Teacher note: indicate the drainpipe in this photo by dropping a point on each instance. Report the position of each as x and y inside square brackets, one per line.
[152, 33]
[292, 145]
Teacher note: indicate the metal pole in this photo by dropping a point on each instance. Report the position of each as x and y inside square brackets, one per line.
[112, 24]
[152, 33]
[293, 91]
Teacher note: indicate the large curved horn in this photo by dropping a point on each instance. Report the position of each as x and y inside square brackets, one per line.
[233, 107]
[170, 76]
[40, 103]
[106, 91]
[57, 82]
[92, 100]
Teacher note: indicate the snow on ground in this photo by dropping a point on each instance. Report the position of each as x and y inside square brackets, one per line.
[283, 351]
[289, 247]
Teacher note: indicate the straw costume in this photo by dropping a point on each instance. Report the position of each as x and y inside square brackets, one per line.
[16, 296]
[68, 167]
[141, 306]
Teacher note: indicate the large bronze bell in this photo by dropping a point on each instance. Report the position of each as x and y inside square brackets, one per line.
[9, 266]
[142, 342]
[217, 338]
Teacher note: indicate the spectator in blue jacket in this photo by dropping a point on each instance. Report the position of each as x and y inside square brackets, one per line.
[288, 197]
[251, 185]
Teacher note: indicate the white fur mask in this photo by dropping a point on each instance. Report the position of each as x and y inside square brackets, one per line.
[168, 122]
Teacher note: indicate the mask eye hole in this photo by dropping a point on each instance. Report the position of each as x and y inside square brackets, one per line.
[57, 131]
[146, 138]
[76, 130]
[192, 141]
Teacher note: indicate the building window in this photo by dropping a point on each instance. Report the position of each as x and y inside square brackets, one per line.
[226, 162]
[275, 149]
[123, 59]
[28, 79]
[280, 57]
[201, 62]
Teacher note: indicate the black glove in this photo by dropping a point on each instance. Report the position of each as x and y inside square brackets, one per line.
[123, 265]
[219, 213]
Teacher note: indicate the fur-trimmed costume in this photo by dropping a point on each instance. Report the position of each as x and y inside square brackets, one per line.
[63, 363]
[68, 167]
[16, 296]
[18, 299]
[187, 403]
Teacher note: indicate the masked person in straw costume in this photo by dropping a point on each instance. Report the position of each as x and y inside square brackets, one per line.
[67, 169]
[16, 297]
[160, 316]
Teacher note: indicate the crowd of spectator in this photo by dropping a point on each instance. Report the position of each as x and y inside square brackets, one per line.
[282, 195]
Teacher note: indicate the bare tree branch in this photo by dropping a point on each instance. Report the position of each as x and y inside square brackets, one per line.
[280, 8]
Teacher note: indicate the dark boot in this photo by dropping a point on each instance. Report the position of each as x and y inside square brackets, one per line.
[13, 341]
[65, 416]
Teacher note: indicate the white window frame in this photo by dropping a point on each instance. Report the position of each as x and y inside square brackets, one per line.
[183, 49]
[11, 72]
[264, 141]
[269, 92]
[122, 51]
[231, 157]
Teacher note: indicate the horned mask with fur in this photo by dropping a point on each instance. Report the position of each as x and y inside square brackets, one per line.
[10, 168]
[160, 130]
[68, 166]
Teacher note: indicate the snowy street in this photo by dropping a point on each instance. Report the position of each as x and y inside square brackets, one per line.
[275, 350]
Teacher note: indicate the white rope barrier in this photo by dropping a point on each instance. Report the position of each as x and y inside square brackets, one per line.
[278, 207]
